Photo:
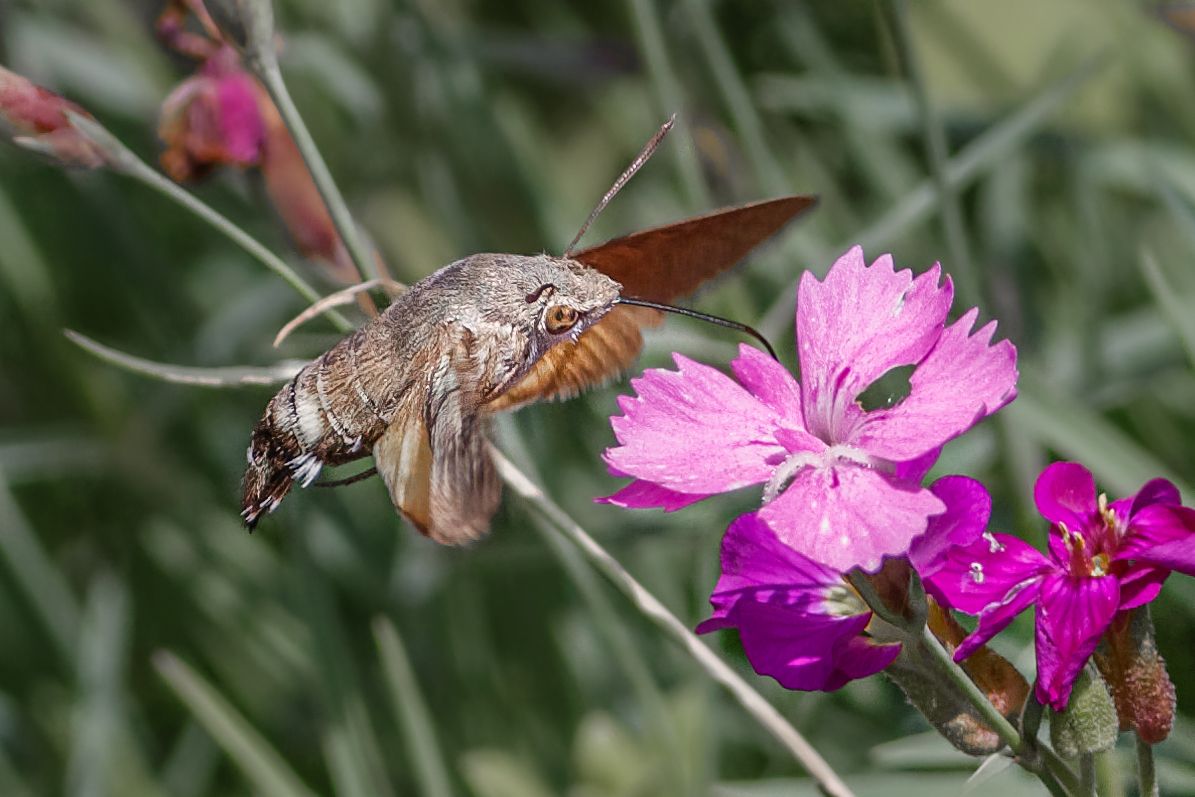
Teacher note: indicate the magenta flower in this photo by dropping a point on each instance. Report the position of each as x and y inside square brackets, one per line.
[842, 485]
[213, 118]
[799, 621]
[1103, 559]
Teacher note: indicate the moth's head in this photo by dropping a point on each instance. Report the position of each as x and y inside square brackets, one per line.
[558, 298]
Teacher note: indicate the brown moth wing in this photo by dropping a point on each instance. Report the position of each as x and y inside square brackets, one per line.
[665, 262]
[403, 457]
[660, 265]
[434, 458]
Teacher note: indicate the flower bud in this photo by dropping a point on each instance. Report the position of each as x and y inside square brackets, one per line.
[1003, 684]
[1128, 659]
[946, 709]
[37, 119]
[1088, 724]
[213, 118]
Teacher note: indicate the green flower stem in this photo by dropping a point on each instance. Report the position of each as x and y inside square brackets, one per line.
[1147, 774]
[124, 161]
[871, 597]
[1087, 775]
[1028, 753]
[265, 64]
[1035, 758]
[655, 611]
[1031, 718]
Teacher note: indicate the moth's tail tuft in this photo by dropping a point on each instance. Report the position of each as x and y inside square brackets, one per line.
[268, 478]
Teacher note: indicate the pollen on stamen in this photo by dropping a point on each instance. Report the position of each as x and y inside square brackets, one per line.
[977, 572]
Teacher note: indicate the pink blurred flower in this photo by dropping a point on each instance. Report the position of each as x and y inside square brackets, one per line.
[213, 118]
[35, 118]
[799, 622]
[222, 116]
[1103, 559]
[842, 484]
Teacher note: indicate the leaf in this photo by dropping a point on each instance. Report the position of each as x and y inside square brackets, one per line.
[230, 376]
[493, 773]
[1176, 307]
[98, 723]
[262, 765]
[1075, 432]
[36, 575]
[411, 712]
[985, 152]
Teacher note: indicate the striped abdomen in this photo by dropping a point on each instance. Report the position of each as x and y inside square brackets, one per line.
[332, 412]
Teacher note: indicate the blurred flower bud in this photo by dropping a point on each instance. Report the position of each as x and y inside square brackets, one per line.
[948, 711]
[1128, 659]
[1088, 724]
[212, 118]
[37, 119]
[1003, 684]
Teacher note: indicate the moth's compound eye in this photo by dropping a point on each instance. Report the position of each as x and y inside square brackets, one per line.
[560, 318]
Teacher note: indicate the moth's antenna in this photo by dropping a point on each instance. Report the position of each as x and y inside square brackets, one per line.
[712, 319]
[635, 166]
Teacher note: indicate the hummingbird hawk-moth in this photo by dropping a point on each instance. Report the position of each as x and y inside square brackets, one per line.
[415, 386]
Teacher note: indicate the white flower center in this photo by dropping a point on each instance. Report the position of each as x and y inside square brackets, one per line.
[827, 458]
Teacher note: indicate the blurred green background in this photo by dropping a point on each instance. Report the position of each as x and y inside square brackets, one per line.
[149, 646]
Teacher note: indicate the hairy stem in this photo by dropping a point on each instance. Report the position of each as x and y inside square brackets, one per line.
[1147, 775]
[1087, 775]
[762, 711]
[1031, 756]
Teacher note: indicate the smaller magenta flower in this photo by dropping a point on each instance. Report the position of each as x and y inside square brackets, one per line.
[799, 622]
[1104, 558]
[213, 118]
[842, 485]
[36, 119]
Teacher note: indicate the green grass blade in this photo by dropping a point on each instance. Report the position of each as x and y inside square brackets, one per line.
[261, 764]
[768, 172]
[1118, 462]
[1175, 306]
[99, 722]
[410, 709]
[23, 270]
[353, 751]
[986, 152]
[37, 578]
[962, 269]
[650, 40]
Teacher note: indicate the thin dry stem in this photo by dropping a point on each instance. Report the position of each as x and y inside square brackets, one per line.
[337, 299]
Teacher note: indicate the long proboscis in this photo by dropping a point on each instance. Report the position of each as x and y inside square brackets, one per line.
[711, 319]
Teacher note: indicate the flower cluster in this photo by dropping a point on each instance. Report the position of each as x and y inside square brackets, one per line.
[1104, 559]
[843, 489]
[222, 116]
